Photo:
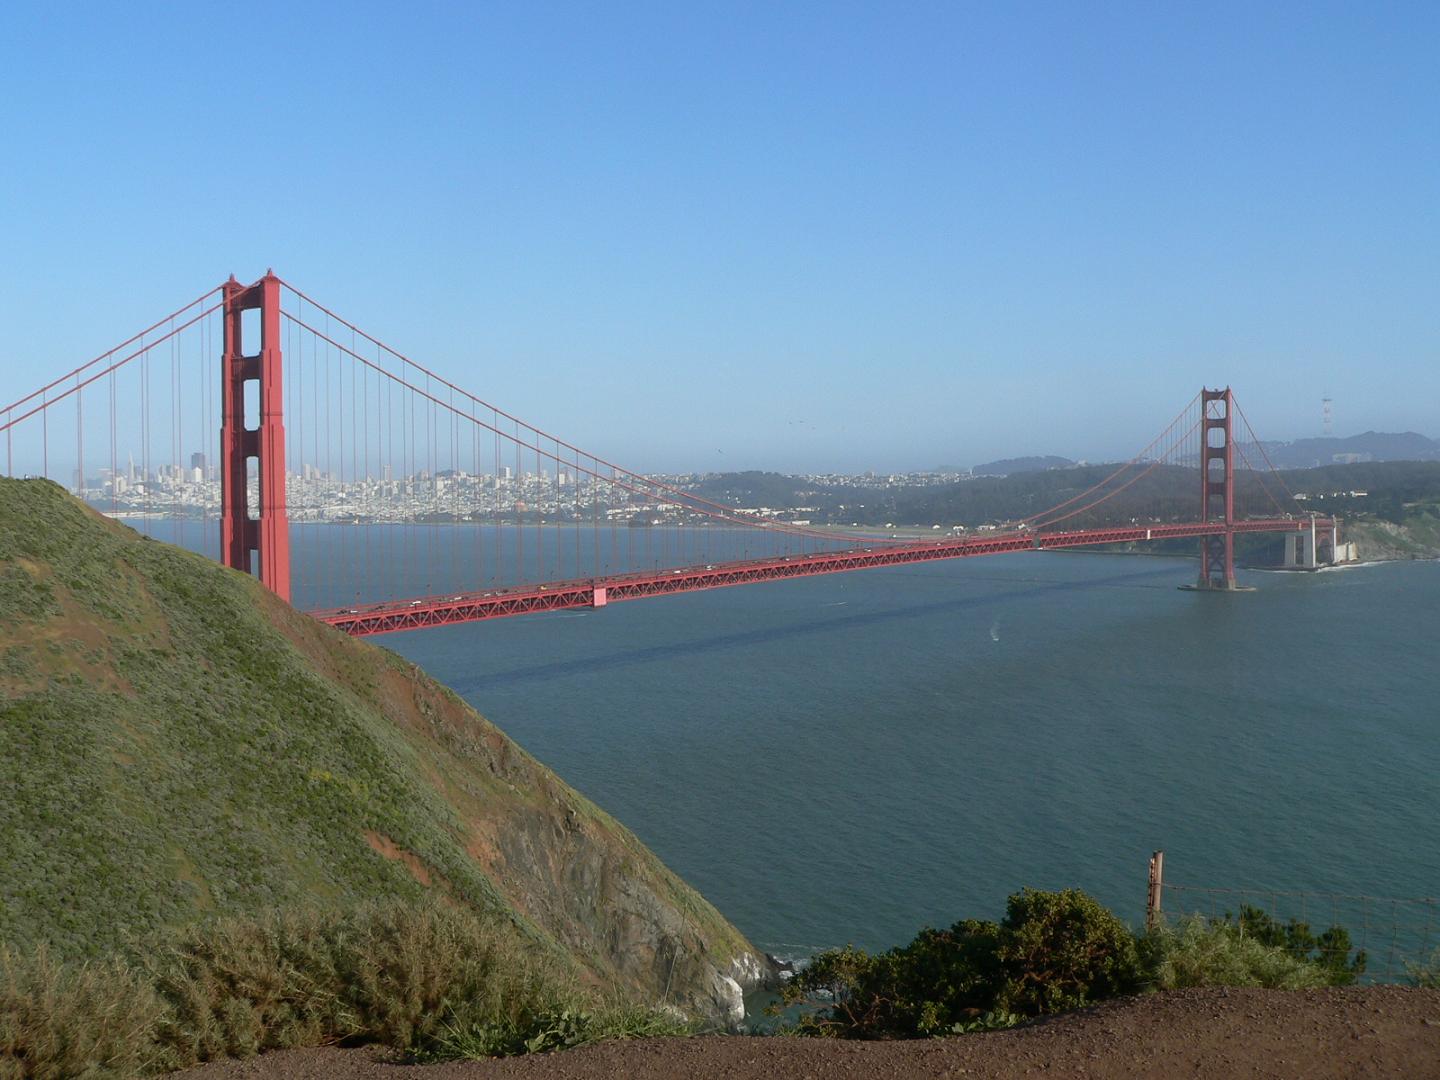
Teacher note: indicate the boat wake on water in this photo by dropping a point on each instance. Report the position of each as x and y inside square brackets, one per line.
[1335, 568]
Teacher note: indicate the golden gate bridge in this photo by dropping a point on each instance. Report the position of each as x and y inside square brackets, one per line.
[320, 426]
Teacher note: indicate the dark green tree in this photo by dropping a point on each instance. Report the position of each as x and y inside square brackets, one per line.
[1330, 951]
[1052, 951]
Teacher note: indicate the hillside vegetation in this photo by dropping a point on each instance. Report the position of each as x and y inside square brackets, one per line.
[1394, 511]
[176, 744]
[1052, 952]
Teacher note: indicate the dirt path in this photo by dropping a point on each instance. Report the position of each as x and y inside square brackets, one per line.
[1350, 1033]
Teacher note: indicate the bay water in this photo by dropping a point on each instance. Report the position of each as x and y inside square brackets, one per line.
[850, 757]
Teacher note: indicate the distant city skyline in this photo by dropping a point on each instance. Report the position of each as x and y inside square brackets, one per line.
[785, 238]
[199, 481]
[62, 464]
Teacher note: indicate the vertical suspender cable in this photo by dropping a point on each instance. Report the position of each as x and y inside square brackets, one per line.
[329, 478]
[114, 471]
[339, 481]
[499, 569]
[609, 489]
[593, 484]
[476, 574]
[145, 431]
[454, 497]
[516, 503]
[368, 490]
[79, 441]
[412, 470]
[312, 423]
[428, 488]
[176, 471]
[389, 540]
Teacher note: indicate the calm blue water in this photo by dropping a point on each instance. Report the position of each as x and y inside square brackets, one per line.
[847, 758]
[844, 759]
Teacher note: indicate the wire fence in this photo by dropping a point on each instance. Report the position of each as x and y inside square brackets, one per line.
[1378, 938]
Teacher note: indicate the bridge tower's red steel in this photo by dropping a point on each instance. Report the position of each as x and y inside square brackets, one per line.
[265, 536]
[1217, 490]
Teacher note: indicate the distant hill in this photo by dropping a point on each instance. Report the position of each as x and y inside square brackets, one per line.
[1166, 493]
[751, 489]
[1371, 446]
[175, 742]
[1010, 466]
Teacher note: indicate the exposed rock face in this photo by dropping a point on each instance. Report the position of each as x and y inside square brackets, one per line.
[1384, 540]
[175, 741]
[747, 972]
[570, 868]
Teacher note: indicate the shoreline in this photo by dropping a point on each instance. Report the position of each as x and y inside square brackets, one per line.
[1391, 554]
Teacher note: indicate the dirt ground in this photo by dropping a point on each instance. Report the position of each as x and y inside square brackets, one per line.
[1342, 1033]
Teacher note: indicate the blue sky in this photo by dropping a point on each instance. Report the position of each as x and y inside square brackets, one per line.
[933, 233]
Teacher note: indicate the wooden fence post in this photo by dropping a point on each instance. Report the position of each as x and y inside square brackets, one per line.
[1157, 883]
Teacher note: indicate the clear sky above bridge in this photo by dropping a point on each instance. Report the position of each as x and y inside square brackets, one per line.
[805, 237]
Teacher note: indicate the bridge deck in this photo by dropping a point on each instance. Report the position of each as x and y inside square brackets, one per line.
[433, 611]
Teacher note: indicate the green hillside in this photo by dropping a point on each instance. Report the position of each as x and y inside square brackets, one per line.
[175, 742]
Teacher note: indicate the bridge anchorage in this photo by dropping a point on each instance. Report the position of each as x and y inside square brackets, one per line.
[379, 496]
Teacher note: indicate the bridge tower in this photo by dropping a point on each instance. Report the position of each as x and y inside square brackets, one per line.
[1217, 489]
[263, 536]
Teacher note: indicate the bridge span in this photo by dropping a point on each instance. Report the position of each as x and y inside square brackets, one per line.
[321, 424]
[430, 611]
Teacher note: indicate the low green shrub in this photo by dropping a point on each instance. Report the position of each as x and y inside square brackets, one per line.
[1426, 973]
[990, 1021]
[1202, 952]
[1052, 951]
[1062, 950]
[236, 987]
[432, 979]
[59, 1020]
[381, 974]
[556, 1029]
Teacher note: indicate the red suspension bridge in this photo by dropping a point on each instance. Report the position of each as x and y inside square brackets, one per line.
[369, 490]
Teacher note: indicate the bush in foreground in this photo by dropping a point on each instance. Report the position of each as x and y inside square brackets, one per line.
[1330, 950]
[384, 974]
[1425, 974]
[1053, 951]
[1061, 951]
[436, 981]
[59, 1020]
[1200, 952]
[558, 1029]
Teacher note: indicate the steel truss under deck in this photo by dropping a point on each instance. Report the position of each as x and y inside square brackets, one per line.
[598, 592]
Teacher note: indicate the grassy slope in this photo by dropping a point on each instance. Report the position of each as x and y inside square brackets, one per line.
[174, 741]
